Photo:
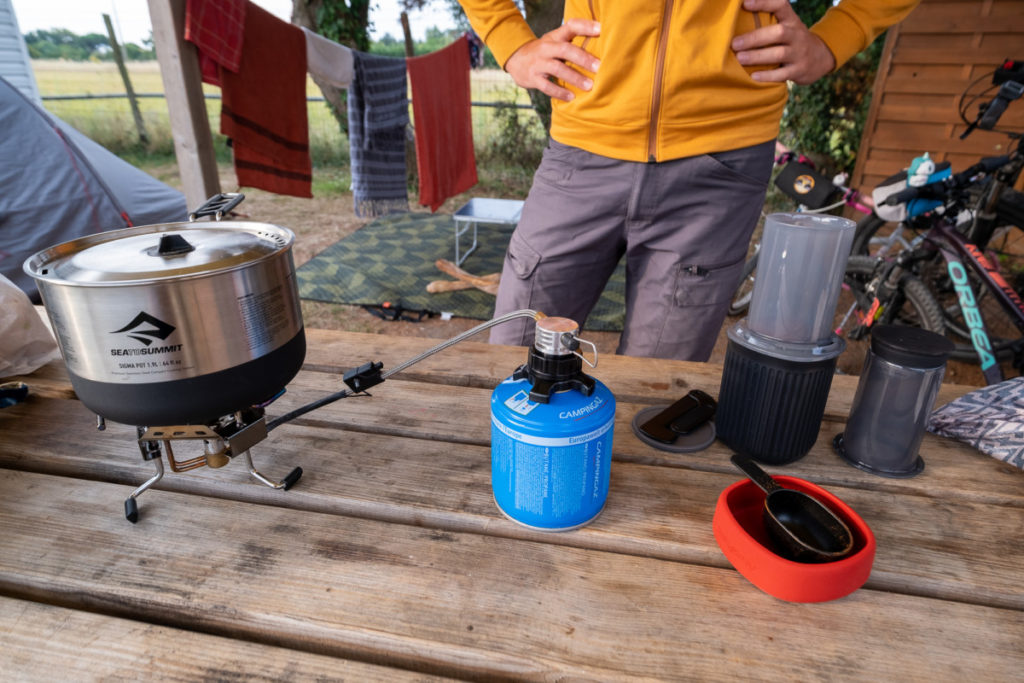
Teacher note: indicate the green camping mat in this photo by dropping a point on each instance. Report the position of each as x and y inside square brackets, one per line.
[392, 260]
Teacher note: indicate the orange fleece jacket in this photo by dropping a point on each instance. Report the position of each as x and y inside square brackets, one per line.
[698, 98]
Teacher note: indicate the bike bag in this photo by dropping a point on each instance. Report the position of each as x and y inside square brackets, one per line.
[914, 207]
[804, 185]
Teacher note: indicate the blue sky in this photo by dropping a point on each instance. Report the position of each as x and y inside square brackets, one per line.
[131, 17]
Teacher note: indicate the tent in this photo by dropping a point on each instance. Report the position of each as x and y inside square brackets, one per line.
[56, 184]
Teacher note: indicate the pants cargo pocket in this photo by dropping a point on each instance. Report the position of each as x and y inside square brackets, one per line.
[700, 286]
[522, 257]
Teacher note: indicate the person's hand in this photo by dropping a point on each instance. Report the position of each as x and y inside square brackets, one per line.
[801, 56]
[533, 65]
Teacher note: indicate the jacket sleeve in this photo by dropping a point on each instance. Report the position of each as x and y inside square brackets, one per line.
[850, 26]
[500, 24]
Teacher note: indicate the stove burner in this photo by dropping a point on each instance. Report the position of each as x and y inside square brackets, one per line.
[224, 439]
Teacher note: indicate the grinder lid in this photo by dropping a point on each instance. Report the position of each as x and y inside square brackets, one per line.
[911, 347]
[158, 252]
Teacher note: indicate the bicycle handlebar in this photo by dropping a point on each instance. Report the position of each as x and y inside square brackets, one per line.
[940, 189]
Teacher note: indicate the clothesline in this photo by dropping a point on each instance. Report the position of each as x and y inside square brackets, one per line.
[269, 135]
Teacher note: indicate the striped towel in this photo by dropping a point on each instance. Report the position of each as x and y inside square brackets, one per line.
[263, 109]
[217, 28]
[378, 113]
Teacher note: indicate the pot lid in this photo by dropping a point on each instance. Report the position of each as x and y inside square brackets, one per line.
[159, 252]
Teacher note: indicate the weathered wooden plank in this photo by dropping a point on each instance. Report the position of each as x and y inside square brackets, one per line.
[478, 364]
[956, 21]
[993, 50]
[462, 415]
[918, 112]
[463, 604]
[653, 511]
[47, 643]
[481, 365]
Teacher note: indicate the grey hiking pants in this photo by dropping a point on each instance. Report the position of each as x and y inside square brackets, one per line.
[684, 226]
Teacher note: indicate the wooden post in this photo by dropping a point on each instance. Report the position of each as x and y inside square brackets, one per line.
[119, 58]
[183, 88]
[410, 51]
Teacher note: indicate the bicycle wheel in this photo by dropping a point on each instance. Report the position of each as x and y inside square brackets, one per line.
[911, 304]
[874, 236]
[745, 290]
[1002, 333]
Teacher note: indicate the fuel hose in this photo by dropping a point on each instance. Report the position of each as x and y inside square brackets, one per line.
[370, 374]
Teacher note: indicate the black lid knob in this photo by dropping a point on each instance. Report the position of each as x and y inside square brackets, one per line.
[173, 245]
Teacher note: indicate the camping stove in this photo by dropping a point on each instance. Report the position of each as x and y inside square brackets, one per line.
[223, 439]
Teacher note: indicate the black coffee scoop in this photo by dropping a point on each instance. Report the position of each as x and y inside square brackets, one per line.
[803, 528]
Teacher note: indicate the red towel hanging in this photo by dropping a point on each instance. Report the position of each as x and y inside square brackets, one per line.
[264, 107]
[443, 123]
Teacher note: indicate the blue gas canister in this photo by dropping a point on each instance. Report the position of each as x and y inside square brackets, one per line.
[551, 435]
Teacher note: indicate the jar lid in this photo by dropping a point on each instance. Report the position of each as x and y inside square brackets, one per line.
[158, 252]
[910, 346]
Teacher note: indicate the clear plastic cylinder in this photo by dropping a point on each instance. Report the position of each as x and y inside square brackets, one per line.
[889, 417]
[799, 275]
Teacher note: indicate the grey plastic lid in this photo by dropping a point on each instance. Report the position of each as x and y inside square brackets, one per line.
[793, 351]
[158, 252]
[691, 442]
[910, 347]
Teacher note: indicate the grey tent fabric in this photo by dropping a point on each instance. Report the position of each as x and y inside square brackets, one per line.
[56, 184]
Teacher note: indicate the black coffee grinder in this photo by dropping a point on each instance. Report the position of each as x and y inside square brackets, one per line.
[780, 359]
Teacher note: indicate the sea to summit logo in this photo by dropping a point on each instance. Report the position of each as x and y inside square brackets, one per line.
[146, 329]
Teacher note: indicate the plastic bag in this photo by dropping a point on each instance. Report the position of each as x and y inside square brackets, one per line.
[991, 419]
[26, 344]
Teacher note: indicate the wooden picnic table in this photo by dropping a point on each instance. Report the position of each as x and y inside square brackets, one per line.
[390, 561]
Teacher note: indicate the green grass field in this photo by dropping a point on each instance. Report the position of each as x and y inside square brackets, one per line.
[110, 121]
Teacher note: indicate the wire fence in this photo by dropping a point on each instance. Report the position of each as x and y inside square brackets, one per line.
[107, 118]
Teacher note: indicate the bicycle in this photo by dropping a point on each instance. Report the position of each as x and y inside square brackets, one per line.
[940, 277]
[799, 179]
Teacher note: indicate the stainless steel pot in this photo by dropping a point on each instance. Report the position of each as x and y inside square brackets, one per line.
[179, 323]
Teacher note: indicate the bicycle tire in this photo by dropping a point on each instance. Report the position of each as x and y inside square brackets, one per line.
[920, 304]
[865, 230]
[868, 229]
[993, 315]
[918, 308]
[745, 290]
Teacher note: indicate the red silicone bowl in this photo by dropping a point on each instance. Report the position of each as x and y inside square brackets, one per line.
[740, 532]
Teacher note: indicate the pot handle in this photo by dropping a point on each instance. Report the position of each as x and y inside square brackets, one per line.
[217, 206]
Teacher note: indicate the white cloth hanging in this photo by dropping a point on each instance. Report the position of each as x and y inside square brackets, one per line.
[328, 61]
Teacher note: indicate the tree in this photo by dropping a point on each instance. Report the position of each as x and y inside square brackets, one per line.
[542, 16]
[827, 117]
[61, 43]
[346, 23]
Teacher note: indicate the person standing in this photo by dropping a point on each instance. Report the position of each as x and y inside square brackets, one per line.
[661, 148]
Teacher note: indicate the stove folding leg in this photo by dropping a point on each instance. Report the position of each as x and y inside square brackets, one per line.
[284, 484]
[131, 507]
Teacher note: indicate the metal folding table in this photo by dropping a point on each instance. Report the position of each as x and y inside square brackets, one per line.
[483, 210]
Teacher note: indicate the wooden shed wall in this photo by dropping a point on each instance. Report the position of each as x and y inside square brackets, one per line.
[928, 61]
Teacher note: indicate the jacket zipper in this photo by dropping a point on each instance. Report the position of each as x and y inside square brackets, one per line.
[590, 5]
[659, 72]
